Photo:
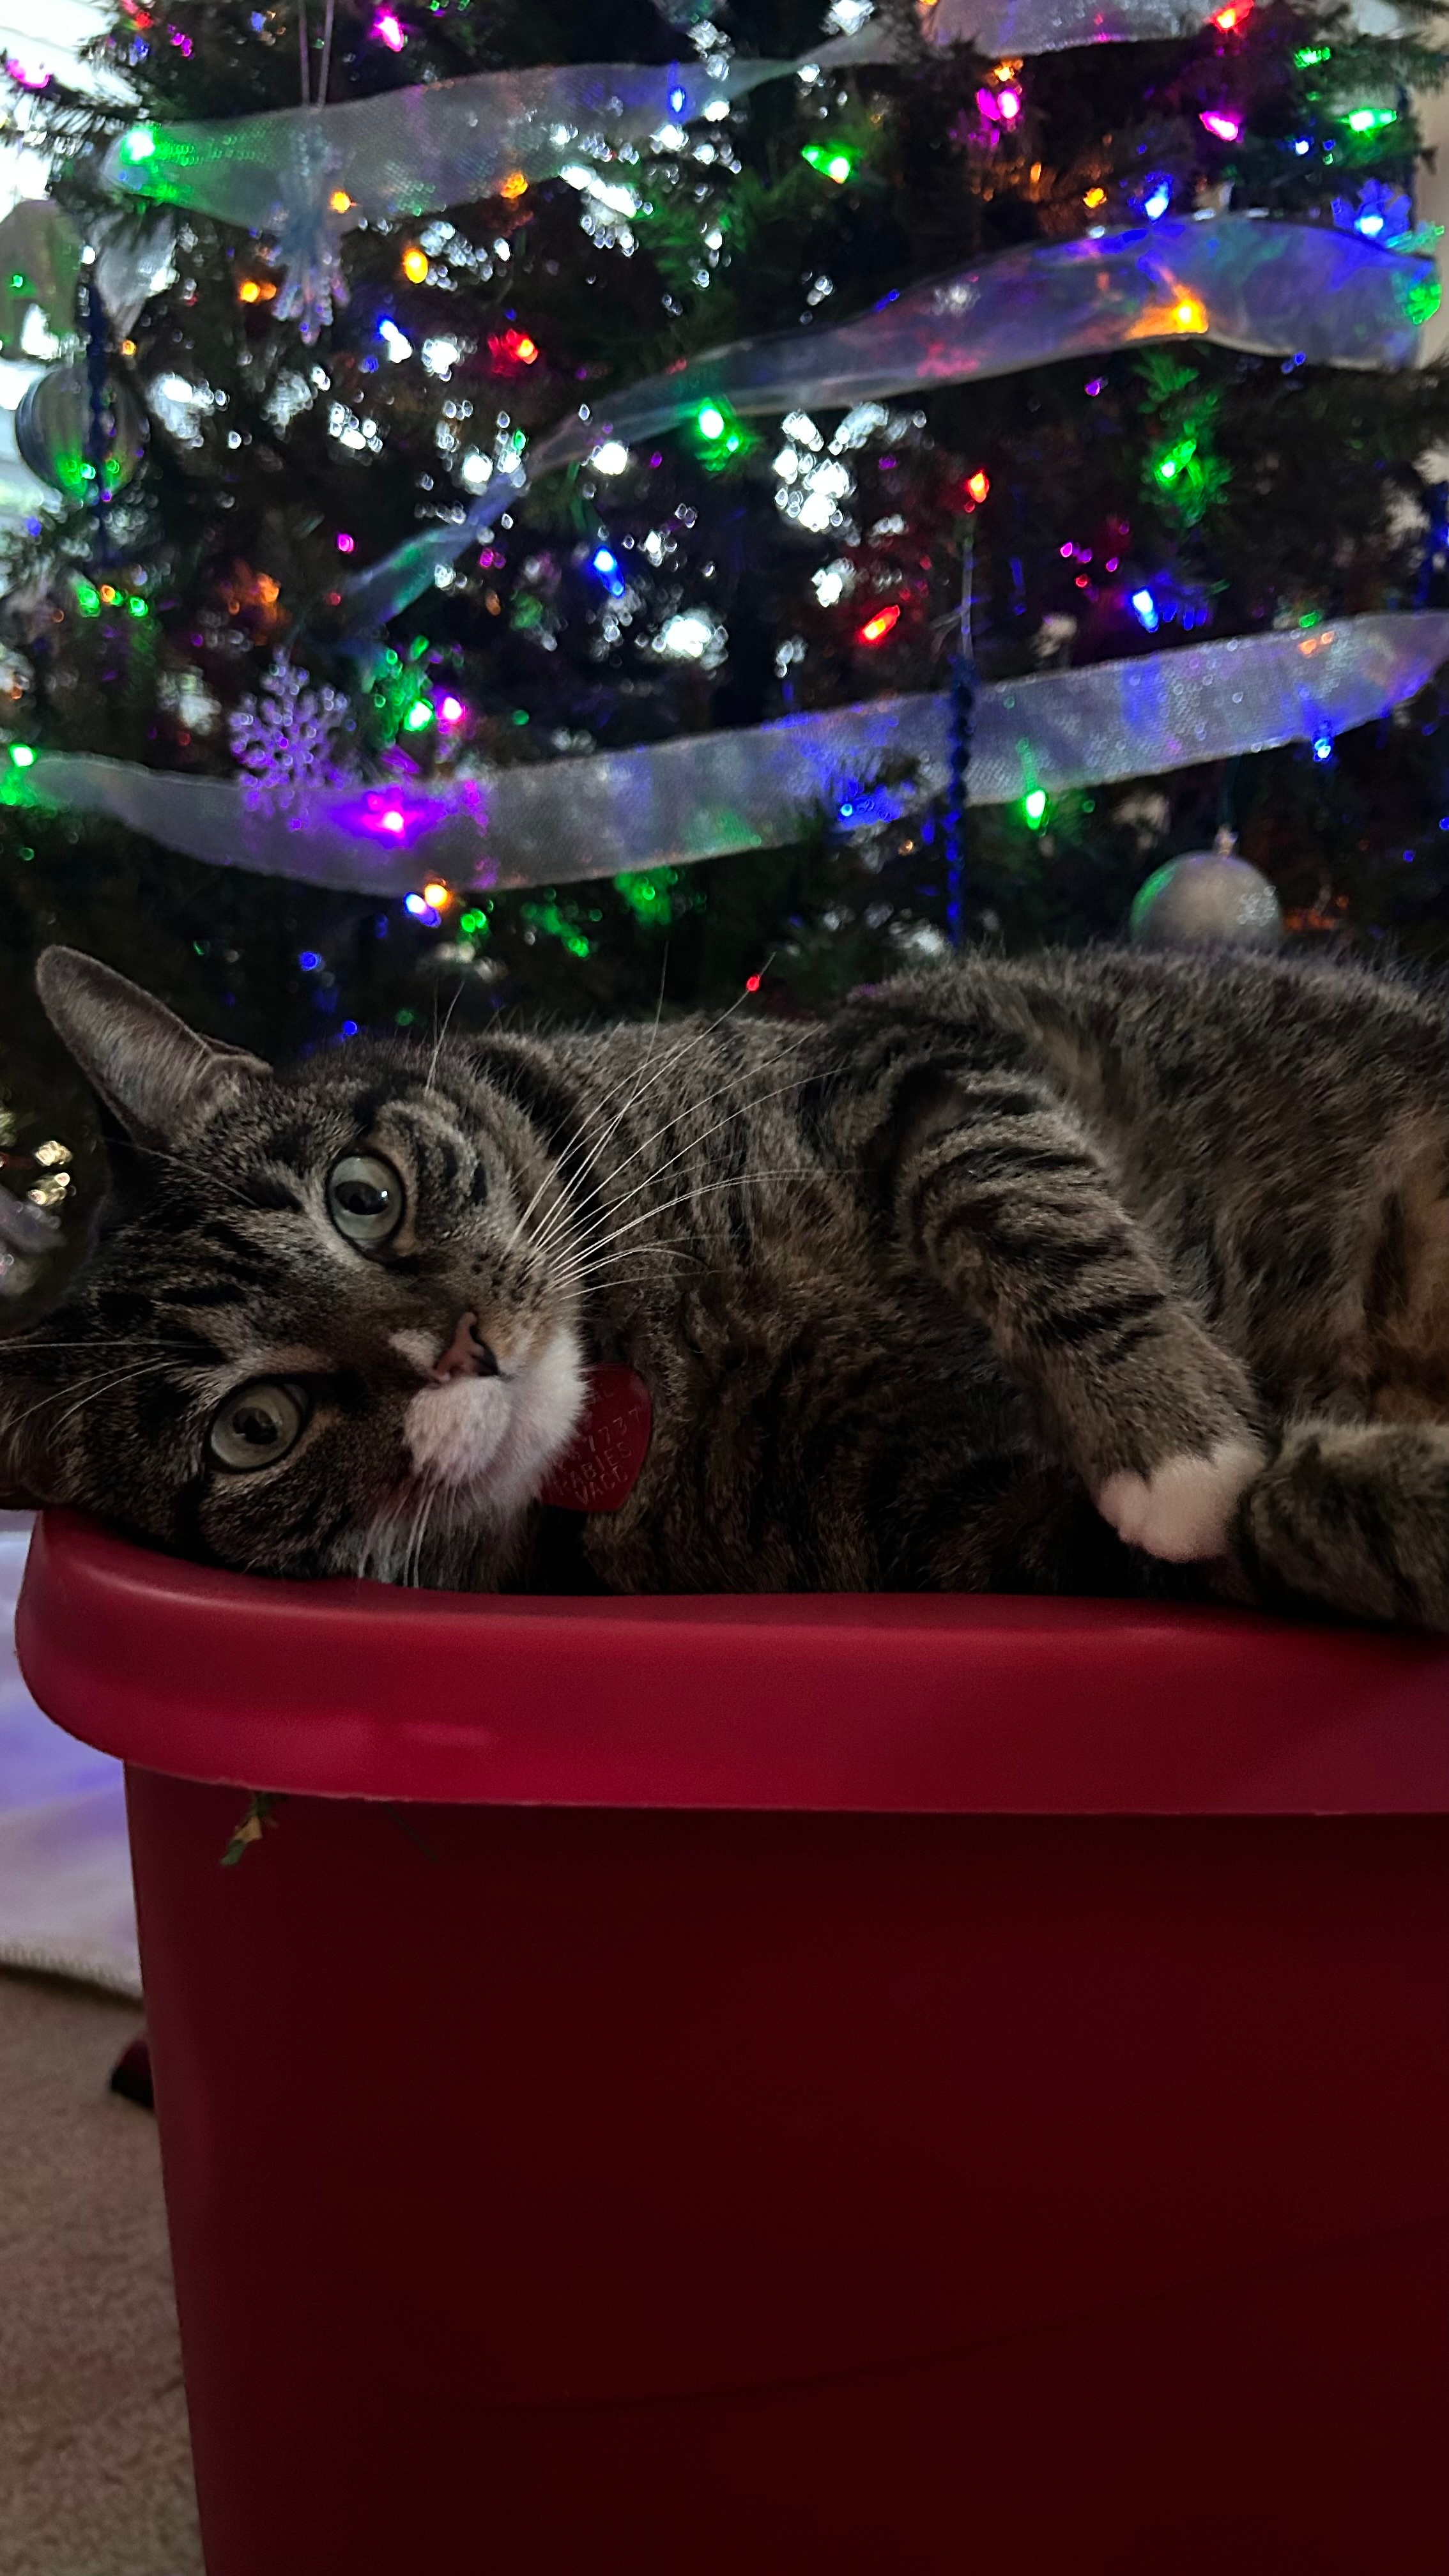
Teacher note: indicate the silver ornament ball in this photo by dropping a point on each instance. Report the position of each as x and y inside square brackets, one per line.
[1207, 899]
[53, 431]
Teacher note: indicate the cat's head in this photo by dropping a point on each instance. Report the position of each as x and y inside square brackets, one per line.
[327, 1310]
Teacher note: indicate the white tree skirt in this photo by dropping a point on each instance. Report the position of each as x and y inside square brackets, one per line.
[65, 1868]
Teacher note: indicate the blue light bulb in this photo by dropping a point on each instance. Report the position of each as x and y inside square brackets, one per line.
[1145, 608]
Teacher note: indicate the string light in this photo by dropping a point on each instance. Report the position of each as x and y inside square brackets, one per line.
[722, 435]
[1144, 608]
[451, 710]
[978, 484]
[830, 160]
[388, 29]
[340, 202]
[1157, 200]
[22, 755]
[1034, 807]
[1235, 15]
[512, 349]
[877, 628]
[437, 894]
[256, 290]
[1223, 123]
[1009, 104]
[414, 264]
[515, 185]
[1095, 197]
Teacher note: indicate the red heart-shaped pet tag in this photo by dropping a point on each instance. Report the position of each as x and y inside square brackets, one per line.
[600, 1467]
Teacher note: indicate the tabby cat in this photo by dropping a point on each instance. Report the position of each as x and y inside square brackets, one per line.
[1092, 1272]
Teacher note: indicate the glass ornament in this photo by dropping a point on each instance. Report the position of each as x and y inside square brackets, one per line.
[1207, 899]
[53, 433]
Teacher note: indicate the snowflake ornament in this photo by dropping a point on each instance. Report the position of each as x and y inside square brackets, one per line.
[309, 247]
[283, 739]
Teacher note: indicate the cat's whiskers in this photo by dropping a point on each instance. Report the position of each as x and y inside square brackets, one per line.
[439, 1034]
[633, 1081]
[95, 1342]
[685, 1198]
[648, 1075]
[757, 1102]
[549, 1231]
[203, 1175]
[105, 1383]
[412, 1560]
[692, 1108]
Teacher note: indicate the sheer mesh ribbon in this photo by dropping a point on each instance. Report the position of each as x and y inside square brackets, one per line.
[1280, 289]
[1247, 282]
[703, 795]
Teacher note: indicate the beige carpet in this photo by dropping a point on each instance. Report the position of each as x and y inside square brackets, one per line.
[95, 2474]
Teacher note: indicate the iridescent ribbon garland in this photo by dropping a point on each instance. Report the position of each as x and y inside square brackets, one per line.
[703, 795]
[1249, 283]
[1242, 281]
[1245, 281]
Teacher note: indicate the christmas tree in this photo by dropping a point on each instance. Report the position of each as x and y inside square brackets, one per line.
[209, 614]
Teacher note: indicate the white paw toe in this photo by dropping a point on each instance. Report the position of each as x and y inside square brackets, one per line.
[1184, 1509]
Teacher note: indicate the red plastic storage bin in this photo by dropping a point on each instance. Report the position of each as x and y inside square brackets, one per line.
[875, 2084]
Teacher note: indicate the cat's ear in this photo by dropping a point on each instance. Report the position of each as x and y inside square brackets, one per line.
[152, 1072]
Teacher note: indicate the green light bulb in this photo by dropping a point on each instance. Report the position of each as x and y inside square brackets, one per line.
[22, 755]
[139, 144]
[710, 421]
[418, 715]
[138, 607]
[1034, 807]
[830, 160]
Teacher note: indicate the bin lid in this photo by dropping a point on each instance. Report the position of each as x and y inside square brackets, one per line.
[876, 1702]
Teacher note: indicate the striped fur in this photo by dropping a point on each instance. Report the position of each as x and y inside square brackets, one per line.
[1096, 1273]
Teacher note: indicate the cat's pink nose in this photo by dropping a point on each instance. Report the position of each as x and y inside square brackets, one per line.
[466, 1355]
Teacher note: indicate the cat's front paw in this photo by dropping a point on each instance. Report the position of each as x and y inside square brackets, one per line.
[1184, 1509]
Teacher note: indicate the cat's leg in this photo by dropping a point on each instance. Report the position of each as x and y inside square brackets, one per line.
[999, 1192]
[1353, 1518]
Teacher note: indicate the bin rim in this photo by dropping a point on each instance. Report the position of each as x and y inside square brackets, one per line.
[877, 1703]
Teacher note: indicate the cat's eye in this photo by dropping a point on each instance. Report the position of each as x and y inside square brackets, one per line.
[364, 1199]
[257, 1424]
